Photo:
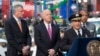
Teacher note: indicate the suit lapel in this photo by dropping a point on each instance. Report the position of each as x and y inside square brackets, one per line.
[45, 30]
[15, 24]
[74, 33]
[53, 30]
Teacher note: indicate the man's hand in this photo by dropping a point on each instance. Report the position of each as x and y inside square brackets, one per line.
[25, 50]
[26, 47]
[51, 52]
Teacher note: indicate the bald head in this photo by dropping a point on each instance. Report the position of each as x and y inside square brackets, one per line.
[46, 15]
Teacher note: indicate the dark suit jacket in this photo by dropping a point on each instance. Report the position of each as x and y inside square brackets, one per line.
[16, 39]
[43, 41]
[69, 36]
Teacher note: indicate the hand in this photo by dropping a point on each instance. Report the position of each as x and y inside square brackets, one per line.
[51, 52]
[25, 50]
[26, 47]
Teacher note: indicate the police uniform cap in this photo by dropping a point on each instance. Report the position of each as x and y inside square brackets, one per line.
[75, 17]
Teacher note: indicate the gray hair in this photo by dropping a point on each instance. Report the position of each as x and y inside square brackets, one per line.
[16, 6]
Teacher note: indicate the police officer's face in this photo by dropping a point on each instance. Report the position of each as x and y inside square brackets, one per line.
[76, 24]
[19, 12]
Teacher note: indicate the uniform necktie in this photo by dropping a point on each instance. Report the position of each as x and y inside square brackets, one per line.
[84, 27]
[20, 25]
[49, 32]
[79, 35]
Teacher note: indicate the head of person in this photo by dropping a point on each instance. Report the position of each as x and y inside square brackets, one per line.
[18, 11]
[46, 16]
[75, 21]
[84, 16]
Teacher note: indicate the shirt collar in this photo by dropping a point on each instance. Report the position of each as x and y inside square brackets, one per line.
[80, 30]
[83, 23]
[46, 24]
[16, 18]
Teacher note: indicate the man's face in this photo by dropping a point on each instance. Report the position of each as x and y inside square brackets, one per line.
[47, 16]
[76, 24]
[19, 12]
[84, 17]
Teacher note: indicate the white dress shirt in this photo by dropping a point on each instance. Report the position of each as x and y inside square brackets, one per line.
[17, 20]
[47, 25]
[80, 30]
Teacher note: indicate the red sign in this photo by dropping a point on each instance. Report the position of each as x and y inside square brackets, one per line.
[5, 9]
[28, 10]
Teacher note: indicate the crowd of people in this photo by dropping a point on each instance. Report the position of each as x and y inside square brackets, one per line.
[46, 33]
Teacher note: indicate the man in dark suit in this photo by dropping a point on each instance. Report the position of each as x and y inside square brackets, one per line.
[72, 33]
[89, 26]
[17, 33]
[47, 36]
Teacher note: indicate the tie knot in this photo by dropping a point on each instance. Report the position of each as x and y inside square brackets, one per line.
[79, 34]
[48, 25]
[78, 30]
[84, 26]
